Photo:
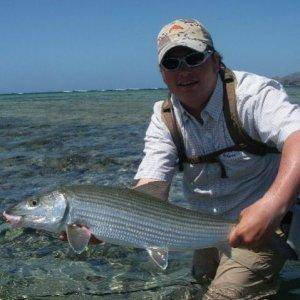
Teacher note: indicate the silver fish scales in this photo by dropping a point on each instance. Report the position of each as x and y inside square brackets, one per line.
[128, 217]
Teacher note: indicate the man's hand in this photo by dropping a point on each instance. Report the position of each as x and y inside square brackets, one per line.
[257, 223]
[260, 219]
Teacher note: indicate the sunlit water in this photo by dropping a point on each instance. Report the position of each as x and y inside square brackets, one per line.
[53, 139]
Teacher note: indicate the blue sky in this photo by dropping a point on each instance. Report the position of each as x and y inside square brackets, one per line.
[49, 45]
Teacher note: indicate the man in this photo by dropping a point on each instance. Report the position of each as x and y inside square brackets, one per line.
[256, 189]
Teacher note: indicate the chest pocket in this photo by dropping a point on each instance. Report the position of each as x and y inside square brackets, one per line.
[239, 164]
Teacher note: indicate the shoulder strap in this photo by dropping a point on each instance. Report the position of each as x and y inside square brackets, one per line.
[243, 142]
[237, 132]
[169, 119]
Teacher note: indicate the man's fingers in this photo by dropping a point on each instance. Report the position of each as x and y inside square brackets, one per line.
[238, 238]
[234, 238]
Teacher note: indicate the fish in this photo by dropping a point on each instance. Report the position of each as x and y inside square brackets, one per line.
[120, 216]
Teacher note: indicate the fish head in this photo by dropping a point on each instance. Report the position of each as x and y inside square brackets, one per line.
[41, 212]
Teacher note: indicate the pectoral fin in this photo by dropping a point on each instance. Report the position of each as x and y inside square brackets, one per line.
[78, 237]
[159, 256]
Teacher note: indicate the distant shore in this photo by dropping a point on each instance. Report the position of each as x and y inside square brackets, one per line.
[289, 80]
[86, 91]
[118, 90]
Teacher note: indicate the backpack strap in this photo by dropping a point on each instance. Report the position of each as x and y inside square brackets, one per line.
[242, 141]
[235, 128]
[169, 119]
[212, 157]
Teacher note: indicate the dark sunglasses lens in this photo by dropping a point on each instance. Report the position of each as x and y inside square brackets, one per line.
[170, 63]
[195, 59]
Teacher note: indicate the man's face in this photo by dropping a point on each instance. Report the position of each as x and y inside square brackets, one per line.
[191, 82]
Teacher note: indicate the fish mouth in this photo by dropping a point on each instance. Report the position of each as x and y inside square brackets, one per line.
[13, 220]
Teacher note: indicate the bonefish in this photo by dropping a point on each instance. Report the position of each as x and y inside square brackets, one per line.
[121, 216]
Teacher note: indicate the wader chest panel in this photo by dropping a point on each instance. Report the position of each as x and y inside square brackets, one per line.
[243, 142]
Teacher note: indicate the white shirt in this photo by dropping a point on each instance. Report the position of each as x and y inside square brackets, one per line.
[265, 113]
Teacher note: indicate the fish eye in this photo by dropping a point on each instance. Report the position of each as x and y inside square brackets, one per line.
[32, 202]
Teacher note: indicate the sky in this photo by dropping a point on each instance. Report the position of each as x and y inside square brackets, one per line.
[56, 45]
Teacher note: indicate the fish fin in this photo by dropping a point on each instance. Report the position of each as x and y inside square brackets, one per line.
[282, 247]
[159, 256]
[157, 189]
[78, 237]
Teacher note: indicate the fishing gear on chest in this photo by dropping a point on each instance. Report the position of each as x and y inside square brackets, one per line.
[242, 141]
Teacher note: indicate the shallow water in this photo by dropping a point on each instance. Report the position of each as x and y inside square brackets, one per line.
[53, 139]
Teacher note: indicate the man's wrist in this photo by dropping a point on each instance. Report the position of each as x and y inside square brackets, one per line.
[277, 204]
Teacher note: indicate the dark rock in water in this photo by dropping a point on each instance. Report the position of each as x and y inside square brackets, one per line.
[13, 122]
[29, 230]
[4, 227]
[13, 234]
[95, 279]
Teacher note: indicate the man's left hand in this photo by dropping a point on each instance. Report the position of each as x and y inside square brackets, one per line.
[256, 225]
[262, 218]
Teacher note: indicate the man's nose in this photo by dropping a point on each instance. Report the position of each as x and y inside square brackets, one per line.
[183, 66]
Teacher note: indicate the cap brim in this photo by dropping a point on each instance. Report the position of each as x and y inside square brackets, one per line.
[195, 45]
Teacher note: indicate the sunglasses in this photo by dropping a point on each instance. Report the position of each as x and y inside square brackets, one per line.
[194, 59]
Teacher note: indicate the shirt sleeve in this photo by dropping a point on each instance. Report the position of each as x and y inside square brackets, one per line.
[269, 116]
[160, 154]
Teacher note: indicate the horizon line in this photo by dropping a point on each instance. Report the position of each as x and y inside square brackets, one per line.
[81, 91]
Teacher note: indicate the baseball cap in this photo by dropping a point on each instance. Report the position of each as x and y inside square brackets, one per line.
[183, 32]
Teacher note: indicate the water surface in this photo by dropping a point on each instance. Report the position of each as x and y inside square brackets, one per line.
[53, 139]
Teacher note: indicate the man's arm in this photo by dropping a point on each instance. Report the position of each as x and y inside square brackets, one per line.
[261, 218]
[158, 166]
[158, 189]
[143, 181]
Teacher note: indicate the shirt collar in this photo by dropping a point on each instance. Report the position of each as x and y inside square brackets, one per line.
[212, 109]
